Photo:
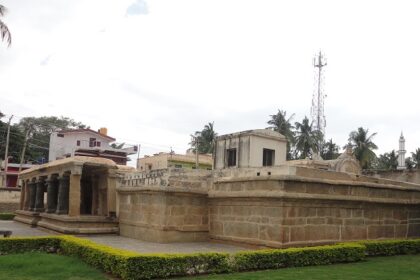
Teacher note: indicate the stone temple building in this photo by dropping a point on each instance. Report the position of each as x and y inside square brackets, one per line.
[252, 195]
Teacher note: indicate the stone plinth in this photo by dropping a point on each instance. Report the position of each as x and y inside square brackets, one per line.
[162, 214]
[78, 225]
[291, 210]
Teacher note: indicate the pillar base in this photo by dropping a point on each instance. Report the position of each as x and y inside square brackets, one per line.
[61, 212]
[39, 210]
[50, 211]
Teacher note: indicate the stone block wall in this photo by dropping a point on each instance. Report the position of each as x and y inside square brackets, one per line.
[162, 215]
[284, 223]
[9, 200]
[285, 212]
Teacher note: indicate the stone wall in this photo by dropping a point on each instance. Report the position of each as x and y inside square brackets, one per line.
[275, 207]
[412, 176]
[165, 206]
[9, 200]
[283, 211]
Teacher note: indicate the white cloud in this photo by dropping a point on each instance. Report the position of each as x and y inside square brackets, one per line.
[157, 78]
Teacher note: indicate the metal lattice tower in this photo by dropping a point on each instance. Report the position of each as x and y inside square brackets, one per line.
[317, 108]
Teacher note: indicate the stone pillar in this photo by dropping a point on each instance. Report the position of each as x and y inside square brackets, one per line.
[22, 195]
[52, 194]
[39, 197]
[63, 195]
[95, 195]
[26, 200]
[75, 195]
[32, 195]
[111, 192]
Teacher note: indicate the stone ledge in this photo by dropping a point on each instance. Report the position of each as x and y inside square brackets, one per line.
[70, 230]
[79, 219]
[287, 195]
[201, 228]
[391, 185]
[15, 189]
[162, 189]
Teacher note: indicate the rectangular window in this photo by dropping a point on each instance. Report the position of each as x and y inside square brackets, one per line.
[231, 157]
[98, 143]
[60, 135]
[78, 142]
[268, 157]
[92, 142]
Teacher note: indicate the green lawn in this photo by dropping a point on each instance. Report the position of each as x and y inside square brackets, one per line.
[37, 266]
[380, 268]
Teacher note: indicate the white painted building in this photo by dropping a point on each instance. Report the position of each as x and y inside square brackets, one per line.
[251, 148]
[86, 142]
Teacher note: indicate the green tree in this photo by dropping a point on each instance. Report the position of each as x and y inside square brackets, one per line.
[15, 142]
[280, 123]
[4, 30]
[205, 139]
[387, 161]
[409, 163]
[416, 158]
[330, 150]
[40, 130]
[307, 139]
[363, 146]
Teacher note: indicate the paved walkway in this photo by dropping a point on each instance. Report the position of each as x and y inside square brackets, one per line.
[20, 229]
[126, 243]
[151, 247]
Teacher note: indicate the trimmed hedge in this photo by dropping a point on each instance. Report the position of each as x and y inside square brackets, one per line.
[278, 258]
[391, 247]
[132, 266]
[6, 216]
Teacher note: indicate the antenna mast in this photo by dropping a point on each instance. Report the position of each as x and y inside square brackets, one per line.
[317, 108]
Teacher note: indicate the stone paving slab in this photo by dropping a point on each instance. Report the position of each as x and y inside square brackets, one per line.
[151, 247]
[20, 229]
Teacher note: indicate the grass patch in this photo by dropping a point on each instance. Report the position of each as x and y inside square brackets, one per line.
[6, 216]
[37, 266]
[385, 268]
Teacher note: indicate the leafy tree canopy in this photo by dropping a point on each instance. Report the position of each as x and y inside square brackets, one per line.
[362, 144]
[205, 139]
[40, 129]
[281, 123]
[330, 150]
[387, 161]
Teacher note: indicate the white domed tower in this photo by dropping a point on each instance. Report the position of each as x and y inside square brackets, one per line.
[401, 153]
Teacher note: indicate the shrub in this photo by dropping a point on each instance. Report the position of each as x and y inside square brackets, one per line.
[28, 244]
[107, 258]
[7, 216]
[391, 247]
[165, 265]
[269, 259]
[131, 265]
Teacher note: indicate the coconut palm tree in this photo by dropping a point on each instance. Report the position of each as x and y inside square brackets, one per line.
[363, 146]
[280, 123]
[4, 30]
[329, 150]
[416, 158]
[307, 139]
[205, 139]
